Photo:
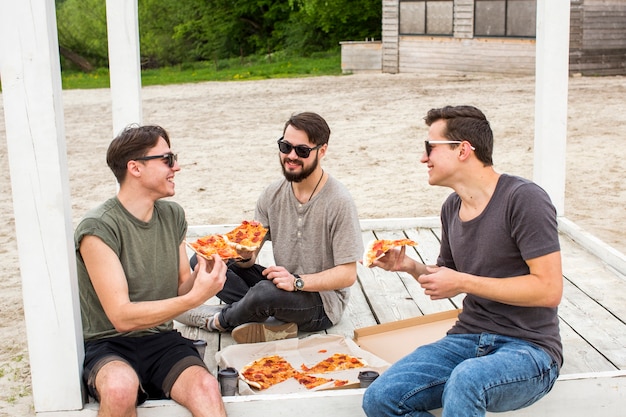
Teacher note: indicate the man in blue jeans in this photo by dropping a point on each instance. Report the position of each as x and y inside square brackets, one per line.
[500, 247]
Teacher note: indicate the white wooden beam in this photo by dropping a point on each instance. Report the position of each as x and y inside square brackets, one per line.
[124, 62]
[31, 84]
[572, 396]
[551, 84]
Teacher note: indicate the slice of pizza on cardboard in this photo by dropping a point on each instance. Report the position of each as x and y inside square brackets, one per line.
[376, 249]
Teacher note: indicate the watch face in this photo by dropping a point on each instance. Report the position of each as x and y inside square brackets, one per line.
[299, 283]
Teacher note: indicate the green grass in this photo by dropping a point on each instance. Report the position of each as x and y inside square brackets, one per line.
[235, 69]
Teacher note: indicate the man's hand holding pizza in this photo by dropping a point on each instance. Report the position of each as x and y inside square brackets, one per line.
[209, 278]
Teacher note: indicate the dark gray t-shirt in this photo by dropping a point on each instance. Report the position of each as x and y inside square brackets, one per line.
[315, 236]
[519, 223]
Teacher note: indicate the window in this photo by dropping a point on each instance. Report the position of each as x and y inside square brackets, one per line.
[513, 18]
[428, 17]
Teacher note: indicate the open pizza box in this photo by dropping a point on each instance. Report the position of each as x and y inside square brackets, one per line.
[392, 341]
[308, 351]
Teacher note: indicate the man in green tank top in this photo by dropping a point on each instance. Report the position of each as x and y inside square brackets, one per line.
[134, 278]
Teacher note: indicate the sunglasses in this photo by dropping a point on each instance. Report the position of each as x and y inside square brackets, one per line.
[429, 144]
[302, 151]
[170, 157]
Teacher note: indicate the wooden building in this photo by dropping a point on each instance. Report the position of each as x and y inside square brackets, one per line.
[487, 36]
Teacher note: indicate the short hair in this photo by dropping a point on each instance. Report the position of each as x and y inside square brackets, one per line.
[466, 123]
[132, 143]
[312, 124]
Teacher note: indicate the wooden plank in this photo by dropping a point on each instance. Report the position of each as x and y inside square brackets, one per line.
[428, 248]
[594, 323]
[124, 63]
[579, 355]
[602, 283]
[357, 314]
[573, 396]
[551, 86]
[31, 84]
[429, 251]
[386, 294]
[595, 246]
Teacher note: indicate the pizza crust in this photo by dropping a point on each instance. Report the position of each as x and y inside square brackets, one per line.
[250, 231]
[239, 246]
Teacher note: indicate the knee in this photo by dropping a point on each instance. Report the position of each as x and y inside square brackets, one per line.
[373, 401]
[463, 385]
[208, 384]
[199, 395]
[118, 394]
[261, 293]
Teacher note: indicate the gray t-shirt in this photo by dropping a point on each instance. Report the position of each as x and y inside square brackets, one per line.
[315, 236]
[148, 252]
[519, 223]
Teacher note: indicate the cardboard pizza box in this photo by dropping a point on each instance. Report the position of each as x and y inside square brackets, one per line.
[308, 350]
[394, 340]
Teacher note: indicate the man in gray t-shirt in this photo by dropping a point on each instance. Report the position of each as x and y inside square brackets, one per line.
[316, 239]
[500, 247]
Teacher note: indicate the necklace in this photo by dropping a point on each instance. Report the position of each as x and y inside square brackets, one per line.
[316, 185]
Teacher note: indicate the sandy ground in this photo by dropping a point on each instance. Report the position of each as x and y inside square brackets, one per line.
[225, 134]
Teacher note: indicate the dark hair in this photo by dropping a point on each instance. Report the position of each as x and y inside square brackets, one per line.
[466, 123]
[133, 142]
[312, 124]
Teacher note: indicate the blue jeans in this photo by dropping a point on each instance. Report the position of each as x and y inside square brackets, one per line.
[466, 374]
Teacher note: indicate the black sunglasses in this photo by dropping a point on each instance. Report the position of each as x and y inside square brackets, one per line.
[170, 157]
[302, 151]
[429, 144]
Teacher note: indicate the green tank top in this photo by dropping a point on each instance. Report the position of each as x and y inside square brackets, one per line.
[148, 252]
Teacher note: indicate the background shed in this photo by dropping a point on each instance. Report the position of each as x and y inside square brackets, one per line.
[486, 36]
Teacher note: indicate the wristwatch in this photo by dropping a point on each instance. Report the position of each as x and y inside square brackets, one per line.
[298, 283]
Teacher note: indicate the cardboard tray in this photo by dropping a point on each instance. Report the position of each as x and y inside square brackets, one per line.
[308, 350]
[392, 341]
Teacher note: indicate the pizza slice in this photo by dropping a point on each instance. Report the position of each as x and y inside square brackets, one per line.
[267, 371]
[336, 362]
[248, 236]
[377, 248]
[311, 381]
[209, 245]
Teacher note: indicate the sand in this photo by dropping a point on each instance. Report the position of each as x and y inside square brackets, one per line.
[225, 134]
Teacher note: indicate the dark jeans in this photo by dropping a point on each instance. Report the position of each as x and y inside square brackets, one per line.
[253, 298]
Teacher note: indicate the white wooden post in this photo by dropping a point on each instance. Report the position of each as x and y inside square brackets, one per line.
[124, 62]
[31, 84]
[551, 84]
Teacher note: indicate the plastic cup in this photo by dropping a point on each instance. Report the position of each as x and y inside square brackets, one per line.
[200, 346]
[367, 377]
[229, 381]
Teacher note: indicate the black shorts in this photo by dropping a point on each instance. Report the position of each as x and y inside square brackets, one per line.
[158, 360]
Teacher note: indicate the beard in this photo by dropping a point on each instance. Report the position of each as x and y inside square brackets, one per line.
[304, 174]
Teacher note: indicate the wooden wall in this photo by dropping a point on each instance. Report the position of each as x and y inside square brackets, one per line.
[513, 56]
[597, 43]
[598, 37]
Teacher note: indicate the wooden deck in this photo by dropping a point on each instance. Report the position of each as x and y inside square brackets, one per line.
[592, 313]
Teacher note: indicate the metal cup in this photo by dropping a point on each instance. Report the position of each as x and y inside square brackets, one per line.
[229, 381]
[367, 377]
